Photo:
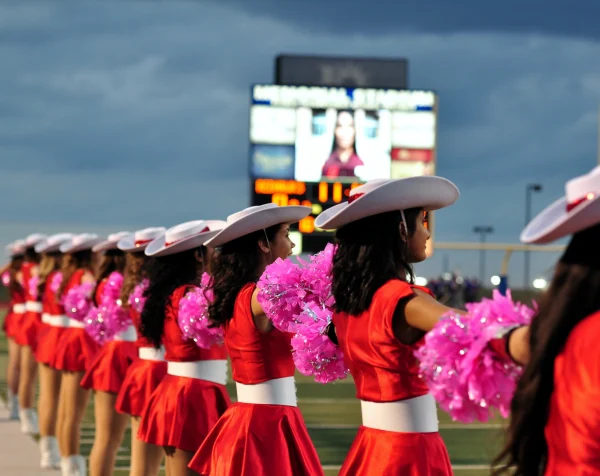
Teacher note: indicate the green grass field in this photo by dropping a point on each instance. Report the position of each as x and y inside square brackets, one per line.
[332, 415]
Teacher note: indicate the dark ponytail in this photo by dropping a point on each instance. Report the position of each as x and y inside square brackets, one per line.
[573, 295]
[166, 275]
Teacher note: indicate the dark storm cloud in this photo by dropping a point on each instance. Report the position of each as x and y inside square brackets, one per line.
[356, 17]
[141, 117]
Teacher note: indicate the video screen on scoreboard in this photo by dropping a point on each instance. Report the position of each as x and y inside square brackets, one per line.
[321, 134]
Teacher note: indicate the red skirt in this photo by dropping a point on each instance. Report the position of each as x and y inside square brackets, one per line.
[10, 325]
[388, 453]
[28, 329]
[182, 411]
[46, 348]
[75, 351]
[141, 379]
[258, 439]
[107, 371]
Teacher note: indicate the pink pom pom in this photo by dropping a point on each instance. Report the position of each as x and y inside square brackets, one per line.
[78, 301]
[104, 322]
[5, 278]
[193, 318]
[281, 293]
[314, 353]
[466, 376]
[55, 282]
[136, 298]
[32, 287]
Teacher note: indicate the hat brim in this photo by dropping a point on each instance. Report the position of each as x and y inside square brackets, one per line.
[555, 222]
[157, 247]
[86, 245]
[128, 245]
[48, 249]
[259, 220]
[429, 193]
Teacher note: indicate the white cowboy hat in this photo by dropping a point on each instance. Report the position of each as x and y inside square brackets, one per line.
[139, 240]
[111, 242]
[577, 210]
[15, 248]
[380, 196]
[34, 239]
[52, 243]
[81, 242]
[183, 237]
[256, 218]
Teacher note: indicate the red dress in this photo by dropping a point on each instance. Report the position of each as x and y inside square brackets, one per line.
[14, 317]
[255, 438]
[573, 427]
[107, 371]
[75, 349]
[32, 320]
[399, 433]
[183, 409]
[143, 375]
[51, 331]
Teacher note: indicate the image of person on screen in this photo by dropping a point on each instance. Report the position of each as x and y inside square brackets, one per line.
[343, 158]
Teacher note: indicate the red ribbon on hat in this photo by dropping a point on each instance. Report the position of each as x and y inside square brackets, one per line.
[351, 198]
[579, 201]
[141, 242]
[169, 243]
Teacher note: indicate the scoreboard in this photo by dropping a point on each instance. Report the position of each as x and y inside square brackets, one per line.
[312, 145]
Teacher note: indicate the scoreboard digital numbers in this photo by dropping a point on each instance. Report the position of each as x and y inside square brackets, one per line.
[312, 145]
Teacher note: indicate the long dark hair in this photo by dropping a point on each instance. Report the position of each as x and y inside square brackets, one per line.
[573, 295]
[166, 274]
[137, 266]
[369, 253]
[233, 266]
[15, 266]
[71, 262]
[111, 261]
[31, 256]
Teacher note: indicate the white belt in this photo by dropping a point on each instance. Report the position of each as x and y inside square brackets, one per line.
[33, 306]
[18, 308]
[128, 335]
[58, 321]
[75, 323]
[415, 415]
[151, 353]
[45, 317]
[210, 370]
[279, 391]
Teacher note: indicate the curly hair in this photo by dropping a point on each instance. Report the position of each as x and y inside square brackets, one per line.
[49, 263]
[165, 275]
[110, 261]
[573, 295]
[71, 262]
[233, 266]
[136, 269]
[369, 253]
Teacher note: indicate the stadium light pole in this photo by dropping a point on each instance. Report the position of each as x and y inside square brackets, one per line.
[531, 187]
[482, 231]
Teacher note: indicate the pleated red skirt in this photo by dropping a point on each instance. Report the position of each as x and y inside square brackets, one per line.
[10, 324]
[258, 439]
[46, 348]
[182, 411]
[75, 351]
[27, 330]
[141, 379]
[387, 453]
[107, 371]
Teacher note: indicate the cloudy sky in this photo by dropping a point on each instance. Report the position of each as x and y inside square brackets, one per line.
[118, 115]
